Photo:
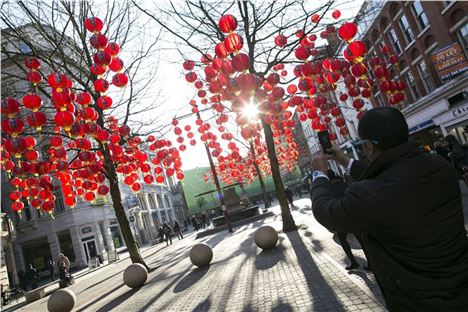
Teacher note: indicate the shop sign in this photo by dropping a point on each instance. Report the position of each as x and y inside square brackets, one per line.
[449, 61]
[421, 126]
[86, 230]
[460, 111]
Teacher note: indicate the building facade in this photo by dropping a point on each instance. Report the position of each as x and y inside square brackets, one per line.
[88, 229]
[431, 41]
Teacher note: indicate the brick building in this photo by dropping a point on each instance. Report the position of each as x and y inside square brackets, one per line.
[420, 32]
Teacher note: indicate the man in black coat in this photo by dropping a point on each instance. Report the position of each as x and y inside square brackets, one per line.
[407, 208]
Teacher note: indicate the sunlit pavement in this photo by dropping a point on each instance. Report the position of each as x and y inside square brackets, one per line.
[303, 273]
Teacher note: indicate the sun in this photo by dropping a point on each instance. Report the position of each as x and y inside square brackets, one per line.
[250, 110]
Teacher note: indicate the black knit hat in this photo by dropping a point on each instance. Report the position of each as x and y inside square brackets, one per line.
[385, 127]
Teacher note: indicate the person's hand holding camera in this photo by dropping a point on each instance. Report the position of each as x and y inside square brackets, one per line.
[339, 156]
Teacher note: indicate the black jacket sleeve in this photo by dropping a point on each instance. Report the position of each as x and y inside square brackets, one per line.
[357, 169]
[352, 213]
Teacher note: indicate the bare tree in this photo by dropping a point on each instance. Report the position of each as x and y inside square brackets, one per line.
[194, 25]
[54, 32]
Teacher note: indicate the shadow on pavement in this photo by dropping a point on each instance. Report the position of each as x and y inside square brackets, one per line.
[352, 241]
[315, 281]
[104, 295]
[115, 302]
[269, 258]
[205, 305]
[191, 279]
[282, 307]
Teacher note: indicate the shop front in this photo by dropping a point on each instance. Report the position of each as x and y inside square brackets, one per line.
[455, 121]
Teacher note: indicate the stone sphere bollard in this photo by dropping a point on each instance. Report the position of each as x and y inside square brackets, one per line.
[201, 254]
[62, 300]
[266, 237]
[135, 275]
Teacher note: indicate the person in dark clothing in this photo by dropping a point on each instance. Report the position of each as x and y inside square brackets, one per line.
[458, 154]
[177, 229]
[339, 188]
[407, 207]
[22, 280]
[50, 267]
[289, 196]
[31, 277]
[204, 220]
[167, 233]
[441, 148]
[161, 234]
[194, 223]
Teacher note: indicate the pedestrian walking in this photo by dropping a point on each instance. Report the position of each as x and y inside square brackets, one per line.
[204, 219]
[194, 223]
[63, 259]
[407, 207]
[50, 267]
[167, 233]
[178, 230]
[161, 234]
[31, 277]
[289, 196]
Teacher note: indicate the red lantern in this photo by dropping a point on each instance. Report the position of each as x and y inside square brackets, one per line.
[12, 126]
[93, 24]
[190, 77]
[124, 130]
[102, 58]
[36, 120]
[57, 80]
[113, 49]
[32, 63]
[233, 43]
[89, 196]
[347, 31]
[83, 98]
[10, 107]
[221, 50]
[64, 119]
[188, 65]
[357, 48]
[34, 77]
[302, 53]
[393, 59]
[17, 206]
[281, 40]
[336, 14]
[358, 104]
[120, 80]
[227, 23]
[116, 65]
[98, 41]
[340, 122]
[315, 18]
[240, 62]
[104, 102]
[97, 70]
[101, 85]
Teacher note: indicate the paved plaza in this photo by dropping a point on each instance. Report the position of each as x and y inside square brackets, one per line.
[305, 272]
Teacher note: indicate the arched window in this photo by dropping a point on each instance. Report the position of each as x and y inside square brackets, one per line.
[415, 54]
[383, 24]
[159, 199]
[152, 203]
[394, 9]
[429, 41]
[167, 202]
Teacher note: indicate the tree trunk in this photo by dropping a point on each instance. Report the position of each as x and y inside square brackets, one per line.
[288, 221]
[266, 198]
[132, 247]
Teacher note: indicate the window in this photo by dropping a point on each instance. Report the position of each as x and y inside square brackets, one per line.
[24, 48]
[405, 28]
[419, 15]
[426, 76]
[59, 205]
[463, 33]
[394, 40]
[447, 3]
[411, 85]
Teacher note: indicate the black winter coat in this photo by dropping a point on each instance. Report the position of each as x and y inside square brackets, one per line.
[407, 207]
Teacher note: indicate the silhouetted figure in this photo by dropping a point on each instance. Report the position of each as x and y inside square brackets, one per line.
[31, 277]
[289, 196]
[50, 267]
[177, 229]
[194, 223]
[65, 277]
[167, 233]
[161, 234]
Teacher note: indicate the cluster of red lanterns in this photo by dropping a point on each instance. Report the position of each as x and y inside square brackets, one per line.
[226, 79]
[71, 158]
